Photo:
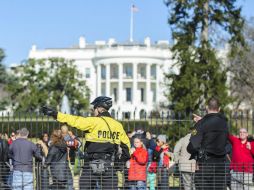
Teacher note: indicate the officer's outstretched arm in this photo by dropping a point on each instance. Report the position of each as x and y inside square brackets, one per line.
[82, 123]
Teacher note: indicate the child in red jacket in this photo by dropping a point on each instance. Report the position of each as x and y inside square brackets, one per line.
[138, 164]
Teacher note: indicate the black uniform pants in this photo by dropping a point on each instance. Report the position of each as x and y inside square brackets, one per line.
[90, 181]
[211, 174]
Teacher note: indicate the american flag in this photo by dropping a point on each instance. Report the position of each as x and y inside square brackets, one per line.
[134, 8]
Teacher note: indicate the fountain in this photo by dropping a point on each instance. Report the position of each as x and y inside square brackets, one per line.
[65, 106]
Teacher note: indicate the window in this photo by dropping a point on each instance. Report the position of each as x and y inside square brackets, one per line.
[103, 90]
[154, 94]
[126, 115]
[113, 113]
[88, 73]
[114, 72]
[142, 114]
[115, 94]
[103, 72]
[142, 95]
[128, 94]
[128, 71]
[142, 72]
[153, 71]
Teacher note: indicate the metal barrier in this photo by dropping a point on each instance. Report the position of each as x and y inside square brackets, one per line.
[207, 176]
[173, 124]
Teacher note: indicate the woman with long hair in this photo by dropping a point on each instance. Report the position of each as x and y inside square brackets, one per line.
[42, 174]
[57, 159]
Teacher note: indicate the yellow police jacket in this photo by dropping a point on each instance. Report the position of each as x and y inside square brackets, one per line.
[97, 129]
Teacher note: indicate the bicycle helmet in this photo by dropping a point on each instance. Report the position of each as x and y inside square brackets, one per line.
[102, 101]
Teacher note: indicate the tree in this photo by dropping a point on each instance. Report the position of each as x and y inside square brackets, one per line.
[201, 72]
[3, 81]
[3, 73]
[46, 81]
[241, 71]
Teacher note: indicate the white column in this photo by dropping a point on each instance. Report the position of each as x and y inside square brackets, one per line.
[120, 89]
[134, 86]
[98, 93]
[148, 85]
[120, 83]
[157, 82]
[108, 80]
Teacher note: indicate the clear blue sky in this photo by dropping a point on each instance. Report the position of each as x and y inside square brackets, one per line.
[59, 23]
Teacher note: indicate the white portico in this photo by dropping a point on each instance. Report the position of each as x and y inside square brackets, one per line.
[132, 82]
[132, 74]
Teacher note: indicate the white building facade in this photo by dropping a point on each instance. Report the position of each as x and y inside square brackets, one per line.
[132, 74]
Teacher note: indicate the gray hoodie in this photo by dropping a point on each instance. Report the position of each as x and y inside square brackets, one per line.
[182, 157]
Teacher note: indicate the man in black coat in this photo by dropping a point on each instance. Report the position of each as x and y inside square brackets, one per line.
[4, 170]
[208, 146]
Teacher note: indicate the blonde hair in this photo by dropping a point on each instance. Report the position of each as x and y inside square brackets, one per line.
[64, 129]
[142, 143]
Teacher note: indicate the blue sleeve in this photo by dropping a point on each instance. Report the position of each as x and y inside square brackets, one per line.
[152, 144]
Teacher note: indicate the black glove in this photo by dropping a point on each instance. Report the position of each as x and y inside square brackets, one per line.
[49, 111]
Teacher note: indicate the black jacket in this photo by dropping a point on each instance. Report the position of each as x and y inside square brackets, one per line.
[4, 170]
[210, 134]
[3, 150]
[57, 159]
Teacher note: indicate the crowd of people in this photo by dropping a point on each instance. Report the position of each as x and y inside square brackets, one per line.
[53, 157]
[56, 156]
[208, 157]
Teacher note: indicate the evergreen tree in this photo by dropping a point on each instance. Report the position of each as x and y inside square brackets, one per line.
[201, 73]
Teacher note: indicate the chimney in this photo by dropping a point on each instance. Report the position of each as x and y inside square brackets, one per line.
[82, 42]
[147, 42]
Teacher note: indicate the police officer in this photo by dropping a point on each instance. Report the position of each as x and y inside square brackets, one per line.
[208, 146]
[103, 137]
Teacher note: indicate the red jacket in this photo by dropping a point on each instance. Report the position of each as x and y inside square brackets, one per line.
[242, 159]
[138, 163]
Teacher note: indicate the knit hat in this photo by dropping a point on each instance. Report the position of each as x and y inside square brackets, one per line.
[162, 138]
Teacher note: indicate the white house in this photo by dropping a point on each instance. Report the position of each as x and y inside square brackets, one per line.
[131, 73]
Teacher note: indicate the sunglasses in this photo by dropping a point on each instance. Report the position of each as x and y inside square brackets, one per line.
[158, 141]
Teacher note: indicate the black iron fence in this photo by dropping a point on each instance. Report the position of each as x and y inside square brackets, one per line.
[174, 125]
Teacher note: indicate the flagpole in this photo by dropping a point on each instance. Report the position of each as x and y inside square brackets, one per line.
[131, 25]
